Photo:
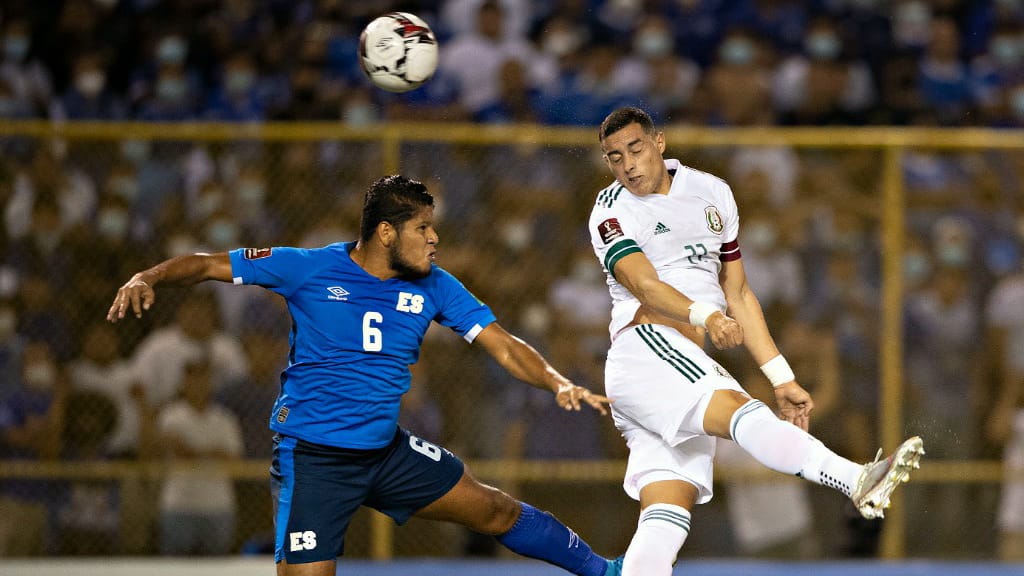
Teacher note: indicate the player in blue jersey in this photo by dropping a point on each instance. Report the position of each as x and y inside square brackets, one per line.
[359, 312]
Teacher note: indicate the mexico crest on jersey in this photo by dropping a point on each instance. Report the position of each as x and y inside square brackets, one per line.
[714, 219]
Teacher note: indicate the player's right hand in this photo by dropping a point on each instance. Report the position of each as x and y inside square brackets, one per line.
[136, 294]
[570, 397]
[795, 404]
[724, 331]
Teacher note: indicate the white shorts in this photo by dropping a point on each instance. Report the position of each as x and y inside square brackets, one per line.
[661, 383]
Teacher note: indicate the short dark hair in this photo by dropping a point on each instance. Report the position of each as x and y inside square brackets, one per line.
[393, 199]
[623, 117]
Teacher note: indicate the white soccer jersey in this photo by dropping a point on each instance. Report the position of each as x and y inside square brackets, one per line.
[686, 235]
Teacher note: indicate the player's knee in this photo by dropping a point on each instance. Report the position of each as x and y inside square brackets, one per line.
[724, 403]
[498, 514]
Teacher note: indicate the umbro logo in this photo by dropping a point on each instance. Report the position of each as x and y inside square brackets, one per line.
[337, 293]
[661, 229]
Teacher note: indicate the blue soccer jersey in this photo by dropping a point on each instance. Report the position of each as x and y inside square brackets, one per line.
[353, 338]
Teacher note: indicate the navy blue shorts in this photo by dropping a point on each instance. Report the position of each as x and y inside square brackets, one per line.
[317, 489]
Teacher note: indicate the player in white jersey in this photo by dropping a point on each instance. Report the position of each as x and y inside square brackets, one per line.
[668, 238]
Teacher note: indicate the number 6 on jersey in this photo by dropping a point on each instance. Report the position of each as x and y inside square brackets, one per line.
[373, 338]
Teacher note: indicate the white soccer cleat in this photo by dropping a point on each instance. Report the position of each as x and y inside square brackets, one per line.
[881, 477]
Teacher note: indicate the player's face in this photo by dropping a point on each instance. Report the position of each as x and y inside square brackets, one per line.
[634, 157]
[411, 255]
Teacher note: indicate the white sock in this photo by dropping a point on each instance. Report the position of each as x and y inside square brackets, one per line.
[786, 448]
[659, 536]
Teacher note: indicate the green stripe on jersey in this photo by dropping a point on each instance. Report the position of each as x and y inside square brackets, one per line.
[617, 251]
[609, 195]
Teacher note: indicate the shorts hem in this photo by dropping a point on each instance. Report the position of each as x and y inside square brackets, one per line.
[634, 485]
[458, 478]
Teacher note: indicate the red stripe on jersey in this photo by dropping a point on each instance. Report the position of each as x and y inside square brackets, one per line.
[730, 251]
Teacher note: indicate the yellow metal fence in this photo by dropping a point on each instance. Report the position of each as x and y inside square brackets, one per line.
[448, 156]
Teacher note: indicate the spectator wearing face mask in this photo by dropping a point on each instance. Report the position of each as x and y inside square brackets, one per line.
[40, 250]
[821, 84]
[110, 245]
[670, 79]
[237, 98]
[197, 505]
[31, 420]
[943, 351]
[88, 97]
[782, 23]
[999, 66]
[160, 359]
[739, 81]
[606, 79]
[170, 49]
[472, 61]
[172, 98]
[948, 85]
[774, 268]
[27, 84]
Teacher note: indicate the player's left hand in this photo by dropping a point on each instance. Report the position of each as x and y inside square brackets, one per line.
[134, 296]
[571, 396]
[795, 404]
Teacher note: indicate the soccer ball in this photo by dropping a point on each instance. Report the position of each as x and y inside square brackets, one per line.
[398, 51]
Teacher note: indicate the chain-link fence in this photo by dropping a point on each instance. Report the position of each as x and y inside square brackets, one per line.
[97, 455]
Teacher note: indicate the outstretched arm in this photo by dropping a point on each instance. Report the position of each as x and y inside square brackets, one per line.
[137, 293]
[525, 363]
[794, 402]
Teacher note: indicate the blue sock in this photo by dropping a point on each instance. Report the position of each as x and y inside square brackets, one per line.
[540, 535]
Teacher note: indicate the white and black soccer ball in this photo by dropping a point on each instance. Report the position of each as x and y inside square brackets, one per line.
[398, 51]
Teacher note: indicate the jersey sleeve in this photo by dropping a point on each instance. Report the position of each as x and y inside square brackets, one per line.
[460, 310]
[614, 235]
[730, 213]
[280, 270]
[730, 223]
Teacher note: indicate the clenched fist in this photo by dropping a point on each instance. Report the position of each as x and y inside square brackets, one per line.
[724, 331]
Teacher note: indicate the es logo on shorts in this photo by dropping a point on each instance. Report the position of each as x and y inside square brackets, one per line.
[302, 540]
[609, 230]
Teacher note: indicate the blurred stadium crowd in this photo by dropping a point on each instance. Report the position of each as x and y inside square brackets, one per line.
[196, 378]
[818, 62]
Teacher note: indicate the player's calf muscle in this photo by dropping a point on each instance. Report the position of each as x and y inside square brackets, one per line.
[479, 507]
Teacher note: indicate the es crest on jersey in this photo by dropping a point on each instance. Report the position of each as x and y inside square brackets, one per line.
[714, 219]
[609, 230]
[257, 253]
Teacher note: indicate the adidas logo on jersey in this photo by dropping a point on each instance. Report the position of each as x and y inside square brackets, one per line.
[661, 229]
